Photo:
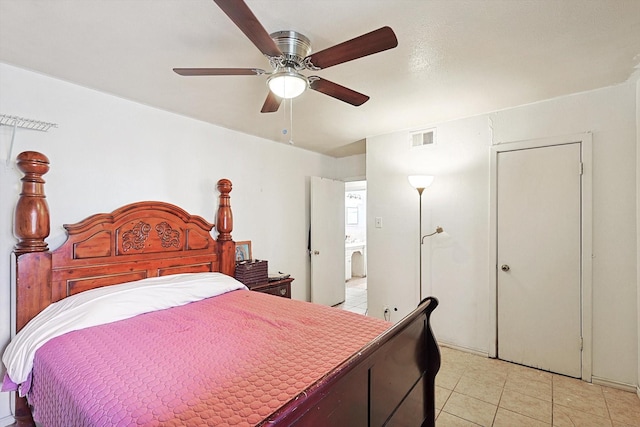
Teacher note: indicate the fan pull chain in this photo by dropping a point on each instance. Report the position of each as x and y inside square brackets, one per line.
[284, 118]
[289, 131]
[285, 131]
[291, 121]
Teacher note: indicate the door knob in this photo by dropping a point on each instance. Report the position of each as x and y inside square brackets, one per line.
[505, 267]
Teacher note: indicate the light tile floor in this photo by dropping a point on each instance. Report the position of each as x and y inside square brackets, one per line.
[355, 296]
[473, 390]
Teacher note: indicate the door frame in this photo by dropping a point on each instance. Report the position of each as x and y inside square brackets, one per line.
[359, 187]
[586, 274]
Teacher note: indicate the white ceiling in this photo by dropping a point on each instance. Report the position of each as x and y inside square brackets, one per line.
[455, 58]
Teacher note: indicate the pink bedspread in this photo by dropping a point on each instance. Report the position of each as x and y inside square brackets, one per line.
[230, 360]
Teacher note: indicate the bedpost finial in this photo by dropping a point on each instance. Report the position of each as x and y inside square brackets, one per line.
[224, 186]
[31, 224]
[32, 162]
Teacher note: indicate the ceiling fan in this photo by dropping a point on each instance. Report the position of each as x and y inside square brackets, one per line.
[289, 52]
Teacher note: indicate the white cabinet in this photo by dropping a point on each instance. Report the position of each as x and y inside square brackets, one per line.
[347, 265]
[355, 260]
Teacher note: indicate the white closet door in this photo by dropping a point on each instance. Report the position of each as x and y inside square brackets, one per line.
[539, 256]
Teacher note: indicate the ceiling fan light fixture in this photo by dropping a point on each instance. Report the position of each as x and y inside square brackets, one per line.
[287, 83]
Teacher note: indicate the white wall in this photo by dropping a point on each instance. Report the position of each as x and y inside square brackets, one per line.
[457, 201]
[355, 165]
[455, 264]
[108, 152]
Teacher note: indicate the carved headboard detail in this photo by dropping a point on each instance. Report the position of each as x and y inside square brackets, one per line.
[139, 228]
[139, 240]
[144, 239]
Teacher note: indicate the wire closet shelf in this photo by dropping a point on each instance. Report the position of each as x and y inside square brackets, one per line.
[23, 123]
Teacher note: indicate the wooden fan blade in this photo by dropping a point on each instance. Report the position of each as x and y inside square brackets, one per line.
[271, 104]
[367, 44]
[242, 16]
[219, 71]
[336, 91]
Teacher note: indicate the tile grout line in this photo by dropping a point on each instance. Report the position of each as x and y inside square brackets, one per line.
[606, 404]
[499, 400]
[553, 397]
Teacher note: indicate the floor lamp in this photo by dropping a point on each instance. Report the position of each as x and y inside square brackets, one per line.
[420, 182]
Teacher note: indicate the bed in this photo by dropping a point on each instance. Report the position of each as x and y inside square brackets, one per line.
[384, 376]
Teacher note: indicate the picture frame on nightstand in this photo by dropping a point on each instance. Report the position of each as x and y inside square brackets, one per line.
[243, 251]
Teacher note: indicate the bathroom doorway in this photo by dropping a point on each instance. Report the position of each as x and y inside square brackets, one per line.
[356, 247]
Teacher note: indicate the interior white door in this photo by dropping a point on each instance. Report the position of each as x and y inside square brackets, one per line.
[539, 244]
[327, 241]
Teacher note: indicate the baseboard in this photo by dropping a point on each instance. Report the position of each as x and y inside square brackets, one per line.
[465, 349]
[615, 384]
[7, 421]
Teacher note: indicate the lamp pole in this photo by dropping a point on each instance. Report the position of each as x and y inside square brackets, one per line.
[420, 182]
[420, 190]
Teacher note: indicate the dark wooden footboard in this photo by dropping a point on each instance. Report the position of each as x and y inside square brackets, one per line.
[389, 383]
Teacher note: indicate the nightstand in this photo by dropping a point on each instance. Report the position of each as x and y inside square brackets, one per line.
[281, 288]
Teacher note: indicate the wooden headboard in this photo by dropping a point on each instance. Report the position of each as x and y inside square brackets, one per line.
[139, 240]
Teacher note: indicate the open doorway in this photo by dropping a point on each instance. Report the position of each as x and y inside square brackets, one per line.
[356, 247]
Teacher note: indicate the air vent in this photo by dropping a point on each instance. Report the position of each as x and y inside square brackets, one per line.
[423, 137]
